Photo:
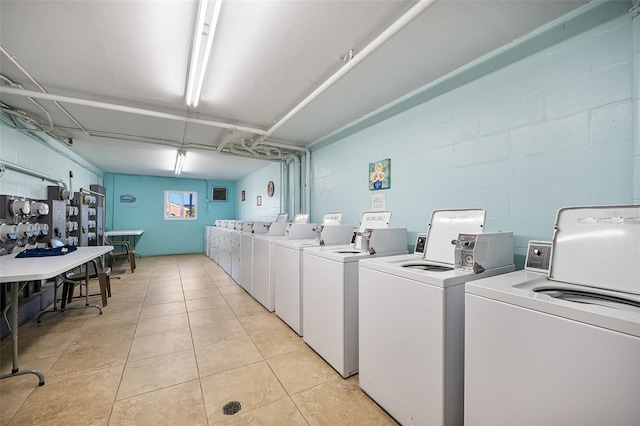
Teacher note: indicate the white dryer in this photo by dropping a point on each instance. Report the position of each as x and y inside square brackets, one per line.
[563, 347]
[289, 266]
[412, 317]
[330, 289]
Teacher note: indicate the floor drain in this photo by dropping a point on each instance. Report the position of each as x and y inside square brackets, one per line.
[231, 408]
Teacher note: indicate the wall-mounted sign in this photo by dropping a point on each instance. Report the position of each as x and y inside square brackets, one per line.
[380, 174]
[127, 198]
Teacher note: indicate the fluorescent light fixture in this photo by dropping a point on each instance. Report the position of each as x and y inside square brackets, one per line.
[206, 22]
[179, 161]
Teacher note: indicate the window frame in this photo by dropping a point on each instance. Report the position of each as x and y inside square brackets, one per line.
[182, 194]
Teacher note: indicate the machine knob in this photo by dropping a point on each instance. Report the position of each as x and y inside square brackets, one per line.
[8, 232]
[537, 252]
[25, 229]
[20, 207]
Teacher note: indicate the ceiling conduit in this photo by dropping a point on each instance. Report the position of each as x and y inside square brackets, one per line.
[131, 110]
[354, 60]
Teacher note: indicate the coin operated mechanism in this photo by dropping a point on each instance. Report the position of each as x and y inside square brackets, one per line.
[382, 240]
[482, 252]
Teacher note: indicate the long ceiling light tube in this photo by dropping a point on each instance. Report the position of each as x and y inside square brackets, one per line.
[180, 157]
[402, 22]
[131, 110]
[195, 53]
[200, 58]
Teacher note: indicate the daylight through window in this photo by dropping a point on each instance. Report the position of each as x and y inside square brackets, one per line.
[180, 205]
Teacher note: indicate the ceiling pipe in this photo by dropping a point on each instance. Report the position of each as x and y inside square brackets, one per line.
[34, 173]
[126, 109]
[12, 59]
[354, 60]
[226, 139]
[307, 156]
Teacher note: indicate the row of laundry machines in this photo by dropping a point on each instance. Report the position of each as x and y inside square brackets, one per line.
[429, 332]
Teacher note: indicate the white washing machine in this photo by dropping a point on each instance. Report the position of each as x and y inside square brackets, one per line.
[330, 289]
[264, 257]
[215, 238]
[289, 266]
[235, 235]
[224, 246]
[246, 253]
[562, 348]
[412, 318]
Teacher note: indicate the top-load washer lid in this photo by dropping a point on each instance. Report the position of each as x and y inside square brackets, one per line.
[371, 220]
[301, 218]
[282, 217]
[333, 218]
[597, 247]
[446, 226]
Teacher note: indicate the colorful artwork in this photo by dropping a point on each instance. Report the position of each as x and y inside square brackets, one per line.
[380, 174]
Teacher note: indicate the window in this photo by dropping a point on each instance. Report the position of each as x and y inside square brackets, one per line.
[180, 205]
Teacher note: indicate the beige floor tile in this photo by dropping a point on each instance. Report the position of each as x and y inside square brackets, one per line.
[249, 309]
[156, 373]
[215, 332]
[283, 412]
[175, 287]
[152, 311]
[172, 280]
[226, 355]
[232, 289]
[192, 272]
[50, 344]
[13, 393]
[181, 404]
[201, 294]
[197, 283]
[214, 315]
[205, 303]
[69, 394]
[262, 322]
[28, 360]
[252, 385]
[301, 370]
[239, 298]
[278, 342]
[83, 357]
[97, 332]
[164, 298]
[339, 402]
[160, 344]
[115, 317]
[162, 324]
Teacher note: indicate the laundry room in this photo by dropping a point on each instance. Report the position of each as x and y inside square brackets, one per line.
[248, 214]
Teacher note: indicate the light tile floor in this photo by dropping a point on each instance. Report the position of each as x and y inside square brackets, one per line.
[178, 340]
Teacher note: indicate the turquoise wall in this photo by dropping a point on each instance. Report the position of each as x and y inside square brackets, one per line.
[38, 152]
[551, 130]
[147, 212]
[255, 185]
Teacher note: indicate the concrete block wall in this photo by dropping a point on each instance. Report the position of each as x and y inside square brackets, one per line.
[255, 185]
[552, 130]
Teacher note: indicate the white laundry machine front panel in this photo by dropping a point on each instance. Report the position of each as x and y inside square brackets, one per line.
[246, 262]
[417, 329]
[330, 311]
[263, 276]
[288, 280]
[528, 367]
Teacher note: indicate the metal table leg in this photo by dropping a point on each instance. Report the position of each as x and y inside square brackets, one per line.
[14, 339]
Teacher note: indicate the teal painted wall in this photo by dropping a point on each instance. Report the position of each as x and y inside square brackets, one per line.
[44, 155]
[147, 212]
[255, 185]
[551, 130]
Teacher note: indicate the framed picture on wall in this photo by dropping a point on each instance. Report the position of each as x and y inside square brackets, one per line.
[242, 195]
[380, 174]
[259, 200]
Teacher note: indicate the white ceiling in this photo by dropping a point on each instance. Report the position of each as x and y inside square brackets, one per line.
[267, 57]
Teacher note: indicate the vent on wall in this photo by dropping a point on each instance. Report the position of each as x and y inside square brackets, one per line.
[219, 194]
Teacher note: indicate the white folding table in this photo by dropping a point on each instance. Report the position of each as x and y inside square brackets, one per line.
[15, 270]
